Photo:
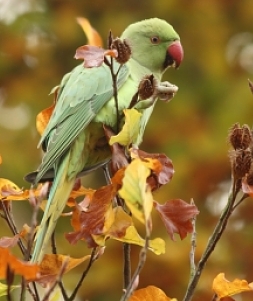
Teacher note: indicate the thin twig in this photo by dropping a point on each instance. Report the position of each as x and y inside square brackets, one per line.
[53, 243]
[193, 246]
[141, 263]
[8, 216]
[215, 237]
[85, 272]
[127, 264]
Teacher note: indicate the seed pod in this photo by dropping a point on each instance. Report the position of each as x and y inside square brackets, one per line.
[240, 137]
[124, 50]
[146, 87]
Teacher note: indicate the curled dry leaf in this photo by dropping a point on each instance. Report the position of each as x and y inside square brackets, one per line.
[176, 216]
[9, 242]
[150, 293]
[27, 270]
[43, 118]
[224, 288]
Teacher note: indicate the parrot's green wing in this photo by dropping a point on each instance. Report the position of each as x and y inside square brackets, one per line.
[81, 96]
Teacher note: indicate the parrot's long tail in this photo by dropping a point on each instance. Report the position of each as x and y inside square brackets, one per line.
[57, 200]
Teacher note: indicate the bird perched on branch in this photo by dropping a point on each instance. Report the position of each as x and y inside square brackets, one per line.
[74, 138]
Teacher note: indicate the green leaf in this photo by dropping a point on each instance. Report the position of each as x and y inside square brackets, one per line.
[3, 288]
[130, 130]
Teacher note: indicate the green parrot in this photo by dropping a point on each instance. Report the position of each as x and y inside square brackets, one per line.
[74, 137]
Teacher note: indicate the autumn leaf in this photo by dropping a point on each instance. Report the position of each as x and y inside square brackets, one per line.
[176, 216]
[150, 293]
[224, 288]
[51, 266]
[1, 160]
[250, 85]
[164, 172]
[42, 119]
[27, 270]
[92, 220]
[135, 191]
[93, 36]
[93, 56]
[130, 130]
[246, 188]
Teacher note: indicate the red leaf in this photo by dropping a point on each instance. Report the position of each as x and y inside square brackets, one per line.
[176, 216]
[91, 220]
[93, 56]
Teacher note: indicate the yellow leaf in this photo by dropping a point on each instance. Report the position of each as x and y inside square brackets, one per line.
[135, 191]
[150, 293]
[93, 36]
[156, 245]
[130, 131]
[224, 288]
[3, 289]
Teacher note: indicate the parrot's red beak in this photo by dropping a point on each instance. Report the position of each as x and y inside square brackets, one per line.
[175, 55]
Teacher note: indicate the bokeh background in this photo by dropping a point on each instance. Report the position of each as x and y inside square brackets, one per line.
[38, 39]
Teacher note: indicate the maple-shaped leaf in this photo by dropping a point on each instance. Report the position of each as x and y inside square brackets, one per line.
[150, 293]
[176, 216]
[7, 260]
[224, 288]
[93, 56]
[92, 35]
[91, 221]
[135, 191]
[130, 131]
[163, 173]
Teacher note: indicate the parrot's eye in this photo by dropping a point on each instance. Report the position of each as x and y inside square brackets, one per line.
[155, 40]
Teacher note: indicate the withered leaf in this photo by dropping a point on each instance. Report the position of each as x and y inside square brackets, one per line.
[92, 221]
[176, 216]
[8, 242]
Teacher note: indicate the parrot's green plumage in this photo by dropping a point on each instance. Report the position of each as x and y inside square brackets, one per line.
[74, 136]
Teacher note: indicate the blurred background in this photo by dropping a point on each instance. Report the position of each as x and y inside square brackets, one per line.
[38, 39]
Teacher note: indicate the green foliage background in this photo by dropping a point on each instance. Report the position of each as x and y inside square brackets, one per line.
[38, 42]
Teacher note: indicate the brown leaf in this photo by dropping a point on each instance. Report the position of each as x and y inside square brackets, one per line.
[224, 288]
[27, 270]
[176, 216]
[93, 56]
[51, 266]
[91, 221]
[164, 172]
[150, 293]
[8, 242]
[93, 36]
[43, 118]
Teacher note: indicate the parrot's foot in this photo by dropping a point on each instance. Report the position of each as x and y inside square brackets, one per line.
[165, 91]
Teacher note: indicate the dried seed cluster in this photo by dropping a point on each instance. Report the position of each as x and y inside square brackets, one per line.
[240, 137]
[123, 49]
[146, 87]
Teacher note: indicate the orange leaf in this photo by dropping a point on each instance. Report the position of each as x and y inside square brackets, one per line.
[52, 263]
[92, 35]
[27, 270]
[224, 288]
[1, 160]
[150, 293]
[43, 118]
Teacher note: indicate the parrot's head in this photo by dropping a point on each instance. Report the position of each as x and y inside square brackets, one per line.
[154, 44]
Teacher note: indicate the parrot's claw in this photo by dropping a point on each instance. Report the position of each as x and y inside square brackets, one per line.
[166, 91]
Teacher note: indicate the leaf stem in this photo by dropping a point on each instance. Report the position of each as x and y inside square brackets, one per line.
[127, 264]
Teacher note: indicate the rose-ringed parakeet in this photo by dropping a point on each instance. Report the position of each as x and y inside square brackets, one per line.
[74, 136]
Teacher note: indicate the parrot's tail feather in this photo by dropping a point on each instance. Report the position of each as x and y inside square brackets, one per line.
[57, 200]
